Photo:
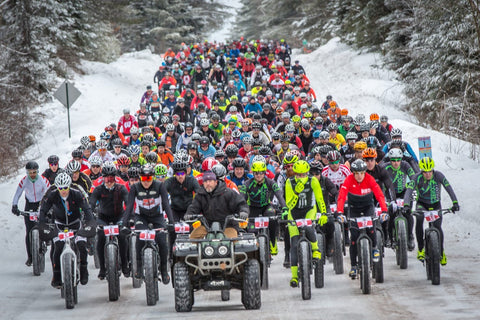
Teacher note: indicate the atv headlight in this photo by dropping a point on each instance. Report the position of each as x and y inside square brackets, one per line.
[222, 250]
[209, 251]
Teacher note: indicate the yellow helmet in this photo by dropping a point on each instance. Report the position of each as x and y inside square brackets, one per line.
[360, 146]
[259, 166]
[301, 166]
[426, 164]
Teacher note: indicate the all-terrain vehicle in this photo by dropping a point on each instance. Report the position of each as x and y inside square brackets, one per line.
[216, 263]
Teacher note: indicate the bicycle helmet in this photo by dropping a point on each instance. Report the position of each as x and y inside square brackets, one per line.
[215, 116]
[247, 140]
[109, 169]
[148, 137]
[53, 159]
[315, 150]
[259, 166]
[188, 125]
[369, 153]
[204, 122]
[102, 144]
[105, 136]
[63, 180]
[73, 166]
[96, 161]
[396, 133]
[239, 162]
[231, 150]
[170, 127]
[77, 153]
[264, 151]
[151, 157]
[133, 172]
[286, 115]
[256, 125]
[383, 118]
[161, 169]
[351, 136]
[374, 117]
[165, 119]
[323, 112]
[147, 170]
[318, 121]
[192, 146]
[284, 138]
[307, 115]
[85, 141]
[166, 110]
[208, 163]
[290, 158]
[360, 146]
[395, 153]
[426, 164]
[301, 166]
[134, 149]
[333, 155]
[289, 128]
[296, 118]
[204, 140]
[219, 171]
[259, 158]
[123, 160]
[236, 134]
[275, 136]
[324, 135]
[332, 126]
[371, 141]
[133, 130]
[358, 166]
[316, 166]
[219, 153]
[365, 127]
[325, 149]
[196, 136]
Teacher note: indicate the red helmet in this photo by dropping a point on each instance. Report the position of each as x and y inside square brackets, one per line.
[208, 163]
[123, 160]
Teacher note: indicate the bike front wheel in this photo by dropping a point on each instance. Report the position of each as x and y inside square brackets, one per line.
[364, 265]
[304, 269]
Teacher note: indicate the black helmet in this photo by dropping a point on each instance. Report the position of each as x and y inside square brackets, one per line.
[109, 169]
[188, 125]
[77, 153]
[219, 170]
[133, 172]
[117, 142]
[325, 149]
[220, 153]
[316, 166]
[256, 125]
[204, 140]
[147, 170]
[231, 150]
[53, 159]
[264, 151]
[31, 165]
[151, 157]
[275, 135]
[179, 166]
[192, 146]
[239, 162]
[358, 166]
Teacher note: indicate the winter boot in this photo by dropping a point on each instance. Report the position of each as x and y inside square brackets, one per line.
[83, 274]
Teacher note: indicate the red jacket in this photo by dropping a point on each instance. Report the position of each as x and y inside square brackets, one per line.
[197, 100]
[367, 186]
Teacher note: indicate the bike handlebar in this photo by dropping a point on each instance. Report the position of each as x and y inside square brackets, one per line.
[441, 212]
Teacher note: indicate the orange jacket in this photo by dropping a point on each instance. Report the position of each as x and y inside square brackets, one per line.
[166, 158]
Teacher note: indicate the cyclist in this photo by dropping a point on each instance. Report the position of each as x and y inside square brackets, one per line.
[146, 201]
[95, 170]
[110, 198]
[258, 193]
[161, 171]
[400, 172]
[239, 173]
[53, 169]
[70, 210]
[35, 187]
[79, 178]
[360, 188]
[335, 171]
[428, 184]
[300, 191]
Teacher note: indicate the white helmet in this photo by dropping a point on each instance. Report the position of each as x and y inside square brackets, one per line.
[395, 153]
[63, 180]
[96, 161]
[73, 166]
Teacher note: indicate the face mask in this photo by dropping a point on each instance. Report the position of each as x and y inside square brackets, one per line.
[300, 184]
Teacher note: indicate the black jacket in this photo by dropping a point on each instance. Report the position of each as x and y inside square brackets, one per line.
[149, 202]
[215, 206]
[69, 212]
[181, 195]
[110, 202]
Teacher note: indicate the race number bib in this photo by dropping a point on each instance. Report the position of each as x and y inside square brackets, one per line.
[34, 216]
[147, 235]
[378, 212]
[111, 230]
[400, 202]
[431, 216]
[261, 222]
[364, 222]
[182, 228]
[62, 236]
[333, 208]
[303, 222]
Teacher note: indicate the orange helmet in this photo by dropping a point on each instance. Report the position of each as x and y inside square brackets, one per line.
[374, 117]
[344, 112]
[369, 153]
[92, 138]
[333, 104]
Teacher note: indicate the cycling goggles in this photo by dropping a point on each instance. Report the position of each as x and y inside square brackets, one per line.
[146, 178]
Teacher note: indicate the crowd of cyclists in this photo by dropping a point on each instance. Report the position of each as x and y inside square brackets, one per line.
[245, 115]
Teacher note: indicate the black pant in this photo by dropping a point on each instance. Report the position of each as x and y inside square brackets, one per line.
[419, 226]
[310, 234]
[101, 239]
[355, 232]
[172, 236]
[29, 206]
[141, 223]
[80, 244]
[266, 211]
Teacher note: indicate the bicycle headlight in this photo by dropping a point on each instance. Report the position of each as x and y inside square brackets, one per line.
[209, 251]
[222, 250]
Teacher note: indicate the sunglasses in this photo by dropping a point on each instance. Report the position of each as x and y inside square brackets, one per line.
[180, 173]
[288, 166]
[369, 159]
[53, 164]
[95, 166]
[102, 149]
[109, 179]
[146, 178]
[259, 173]
[396, 160]
[63, 188]
[161, 177]
[334, 162]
